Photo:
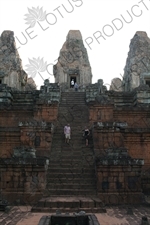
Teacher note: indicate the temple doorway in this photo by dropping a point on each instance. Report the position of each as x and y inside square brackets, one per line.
[73, 78]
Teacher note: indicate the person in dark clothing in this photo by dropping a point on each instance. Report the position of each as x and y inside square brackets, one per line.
[86, 135]
[76, 86]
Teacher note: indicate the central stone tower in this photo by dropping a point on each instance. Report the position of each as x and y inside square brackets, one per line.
[73, 62]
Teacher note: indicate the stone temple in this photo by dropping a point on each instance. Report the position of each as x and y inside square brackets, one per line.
[38, 168]
[73, 62]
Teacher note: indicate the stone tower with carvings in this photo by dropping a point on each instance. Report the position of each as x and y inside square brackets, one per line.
[73, 62]
[11, 71]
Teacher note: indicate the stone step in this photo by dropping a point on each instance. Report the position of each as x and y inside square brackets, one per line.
[71, 104]
[74, 137]
[71, 170]
[71, 175]
[66, 204]
[71, 162]
[82, 113]
[73, 121]
[73, 117]
[63, 110]
[71, 166]
[66, 210]
[73, 97]
[76, 126]
[74, 165]
[76, 134]
[73, 143]
[72, 159]
[72, 146]
[70, 192]
[76, 157]
[85, 180]
[63, 165]
[72, 109]
[58, 152]
[72, 100]
[69, 155]
[65, 186]
[73, 94]
[82, 161]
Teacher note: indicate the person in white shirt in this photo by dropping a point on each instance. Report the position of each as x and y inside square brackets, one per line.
[67, 132]
[72, 83]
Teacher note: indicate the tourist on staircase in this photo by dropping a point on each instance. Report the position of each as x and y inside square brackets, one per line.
[86, 135]
[67, 132]
[72, 83]
[76, 86]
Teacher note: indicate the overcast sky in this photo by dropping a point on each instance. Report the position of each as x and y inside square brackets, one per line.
[107, 26]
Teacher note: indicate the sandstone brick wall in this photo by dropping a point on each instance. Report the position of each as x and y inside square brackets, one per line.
[9, 138]
[38, 137]
[23, 182]
[47, 113]
[119, 184]
[31, 133]
[100, 113]
[135, 137]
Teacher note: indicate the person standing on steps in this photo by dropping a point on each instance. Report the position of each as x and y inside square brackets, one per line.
[67, 132]
[86, 135]
[76, 86]
[72, 83]
[65, 127]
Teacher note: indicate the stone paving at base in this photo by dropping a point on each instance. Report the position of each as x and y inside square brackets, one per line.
[22, 215]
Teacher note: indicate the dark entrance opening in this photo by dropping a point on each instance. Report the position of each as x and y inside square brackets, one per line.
[78, 219]
[0, 81]
[73, 78]
[148, 82]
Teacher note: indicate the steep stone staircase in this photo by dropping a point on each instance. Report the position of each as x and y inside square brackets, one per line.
[71, 173]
